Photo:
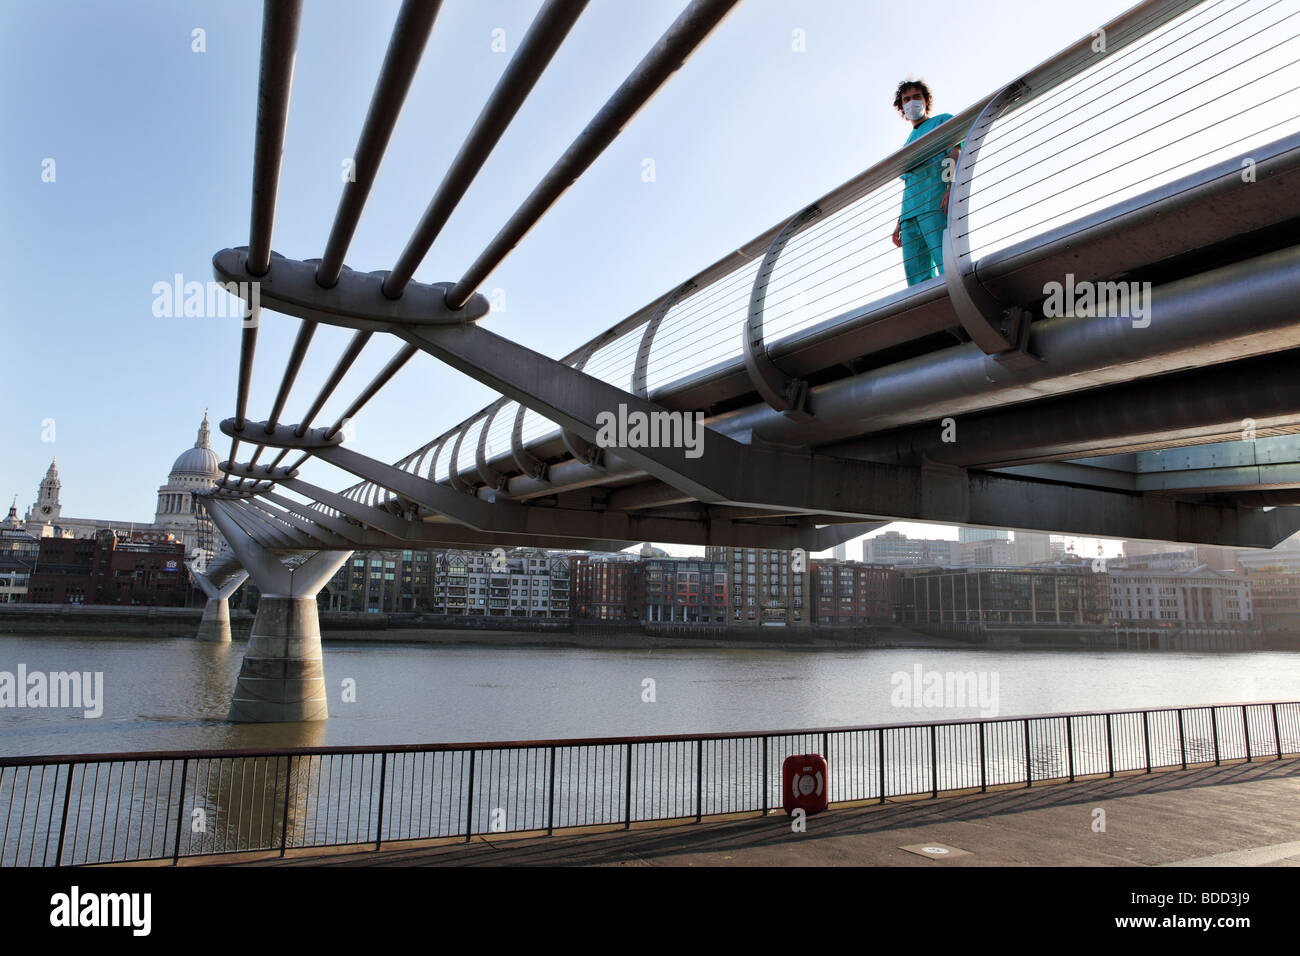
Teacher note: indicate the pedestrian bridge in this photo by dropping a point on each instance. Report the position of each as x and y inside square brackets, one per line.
[1110, 349]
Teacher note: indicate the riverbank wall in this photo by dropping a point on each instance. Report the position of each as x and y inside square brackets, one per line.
[110, 621]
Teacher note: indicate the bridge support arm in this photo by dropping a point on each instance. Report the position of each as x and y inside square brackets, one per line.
[218, 582]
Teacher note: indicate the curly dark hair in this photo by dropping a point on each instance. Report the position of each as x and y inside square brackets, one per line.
[911, 84]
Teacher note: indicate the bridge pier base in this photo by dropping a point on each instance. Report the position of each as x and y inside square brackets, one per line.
[215, 625]
[282, 676]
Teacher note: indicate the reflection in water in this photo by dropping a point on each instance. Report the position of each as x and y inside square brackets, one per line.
[238, 804]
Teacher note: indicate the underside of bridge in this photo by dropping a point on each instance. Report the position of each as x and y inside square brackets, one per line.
[1162, 405]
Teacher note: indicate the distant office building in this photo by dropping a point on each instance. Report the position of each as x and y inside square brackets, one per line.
[381, 582]
[966, 535]
[1032, 547]
[18, 556]
[1198, 595]
[107, 569]
[1053, 595]
[15, 578]
[1275, 597]
[841, 551]
[1284, 557]
[848, 592]
[520, 583]
[1176, 557]
[1137, 549]
[682, 591]
[762, 585]
[1164, 562]
[996, 552]
[894, 548]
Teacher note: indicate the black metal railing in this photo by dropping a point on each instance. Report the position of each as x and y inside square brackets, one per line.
[99, 808]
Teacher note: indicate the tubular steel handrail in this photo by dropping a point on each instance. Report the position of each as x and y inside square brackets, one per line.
[56, 810]
[1122, 31]
[1129, 27]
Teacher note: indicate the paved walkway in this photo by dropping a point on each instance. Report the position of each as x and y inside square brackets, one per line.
[1236, 815]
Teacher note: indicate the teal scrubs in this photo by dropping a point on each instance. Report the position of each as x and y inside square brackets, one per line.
[922, 221]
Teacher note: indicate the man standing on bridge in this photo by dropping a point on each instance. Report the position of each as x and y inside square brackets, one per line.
[924, 215]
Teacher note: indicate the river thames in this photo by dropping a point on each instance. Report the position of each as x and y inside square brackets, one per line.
[171, 694]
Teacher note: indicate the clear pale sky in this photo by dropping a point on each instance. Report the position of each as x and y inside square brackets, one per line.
[153, 150]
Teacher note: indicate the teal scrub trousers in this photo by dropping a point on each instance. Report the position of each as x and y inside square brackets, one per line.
[922, 222]
[923, 246]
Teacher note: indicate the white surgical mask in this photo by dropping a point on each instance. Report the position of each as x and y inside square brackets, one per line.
[914, 109]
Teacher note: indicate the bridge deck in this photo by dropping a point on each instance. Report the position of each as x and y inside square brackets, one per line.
[1239, 814]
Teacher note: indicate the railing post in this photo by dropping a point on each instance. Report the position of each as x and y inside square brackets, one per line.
[763, 779]
[550, 796]
[1277, 733]
[1146, 737]
[284, 817]
[880, 753]
[1110, 750]
[383, 775]
[984, 777]
[627, 790]
[934, 764]
[469, 811]
[1029, 770]
[1069, 745]
[1182, 744]
[180, 811]
[699, 780]
[1214, 725]
[1245, 731]
[63, 822]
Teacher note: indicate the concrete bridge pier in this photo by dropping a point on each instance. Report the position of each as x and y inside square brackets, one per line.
[218, 583]
[282, 677]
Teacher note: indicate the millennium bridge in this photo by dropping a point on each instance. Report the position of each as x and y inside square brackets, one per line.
[1109, 350]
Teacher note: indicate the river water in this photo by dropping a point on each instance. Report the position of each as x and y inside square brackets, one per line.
[169, 693]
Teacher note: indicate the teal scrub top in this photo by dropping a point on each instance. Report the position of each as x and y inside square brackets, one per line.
[923, 185]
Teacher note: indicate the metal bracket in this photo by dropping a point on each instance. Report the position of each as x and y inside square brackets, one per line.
[234, 494]
[1018, 357]
[433, 462]
[489, 475]
[642, 366]
[282, 436]
[242, 470]
[993, 326]
[527, 464]
[453, 464]
[356, 301]
[783, 392]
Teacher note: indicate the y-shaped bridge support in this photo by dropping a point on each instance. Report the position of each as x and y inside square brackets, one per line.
[282, 677]
[218, 581]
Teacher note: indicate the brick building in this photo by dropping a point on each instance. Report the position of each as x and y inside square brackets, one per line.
[850, 592]
[108, 570]
[604, 586]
